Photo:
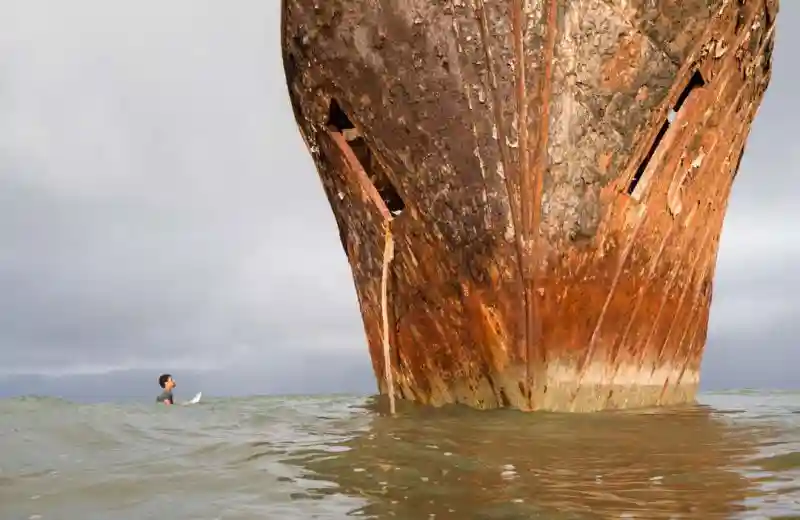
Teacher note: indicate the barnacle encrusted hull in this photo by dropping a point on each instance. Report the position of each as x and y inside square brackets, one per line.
[554, 174]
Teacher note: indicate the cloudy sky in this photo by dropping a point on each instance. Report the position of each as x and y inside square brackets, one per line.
[158, 210]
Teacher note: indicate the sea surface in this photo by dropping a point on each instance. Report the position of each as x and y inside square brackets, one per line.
[734, 455]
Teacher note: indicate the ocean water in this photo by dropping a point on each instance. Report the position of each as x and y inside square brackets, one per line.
[734, 455]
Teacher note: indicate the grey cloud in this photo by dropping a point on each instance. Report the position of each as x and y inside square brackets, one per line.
[158, 207]
[157, 201]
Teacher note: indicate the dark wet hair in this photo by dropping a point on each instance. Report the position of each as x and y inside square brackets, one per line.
[162, 380]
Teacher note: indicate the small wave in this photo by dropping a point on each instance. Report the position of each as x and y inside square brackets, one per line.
[781, 462]
[236, 456]
[35, 401]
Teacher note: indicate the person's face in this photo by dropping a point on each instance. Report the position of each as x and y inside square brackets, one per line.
[170, 384]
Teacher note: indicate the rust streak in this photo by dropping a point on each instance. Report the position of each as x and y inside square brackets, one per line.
[471, 105]
[520, 91]
[544, 128]
[690, 274]
[642, 290]
[614, 283]
[538, 251]
[673, 276]
[709, 263]
[708, 240]
[712, 259]
[724, 182]
[517, 29]
[480, 11]
[524, 169]
[654, 163]
[696, 319]
[665, 296]
[540, 285]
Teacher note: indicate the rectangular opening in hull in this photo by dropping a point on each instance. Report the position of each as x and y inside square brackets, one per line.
[641, 178]
[339, 122]
[650, 153]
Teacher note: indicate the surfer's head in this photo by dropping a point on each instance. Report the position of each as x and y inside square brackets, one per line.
[166, 382]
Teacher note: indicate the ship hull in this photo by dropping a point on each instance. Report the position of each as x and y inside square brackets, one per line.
[554, 176]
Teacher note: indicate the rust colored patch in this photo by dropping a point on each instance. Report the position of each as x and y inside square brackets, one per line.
[604, 161]
[622, 68]
[555, 180]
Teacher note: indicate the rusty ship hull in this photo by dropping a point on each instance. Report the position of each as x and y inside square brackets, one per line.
[553, 175]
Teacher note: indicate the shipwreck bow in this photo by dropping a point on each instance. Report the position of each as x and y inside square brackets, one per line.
[554, 175]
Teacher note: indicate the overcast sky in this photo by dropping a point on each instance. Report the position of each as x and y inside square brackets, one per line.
[158, 209]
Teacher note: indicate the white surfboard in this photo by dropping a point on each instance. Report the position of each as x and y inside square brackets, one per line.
[195, 399]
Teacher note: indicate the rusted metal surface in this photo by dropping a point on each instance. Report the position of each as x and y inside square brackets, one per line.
[556, 225]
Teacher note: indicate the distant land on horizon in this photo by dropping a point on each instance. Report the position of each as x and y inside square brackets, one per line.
[332, 372]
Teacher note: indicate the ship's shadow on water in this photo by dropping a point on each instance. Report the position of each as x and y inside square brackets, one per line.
[453, 462]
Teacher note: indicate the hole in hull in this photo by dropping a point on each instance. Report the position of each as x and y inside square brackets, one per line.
[338, 121]
[650, 153]
[695, 81]
[636, 186]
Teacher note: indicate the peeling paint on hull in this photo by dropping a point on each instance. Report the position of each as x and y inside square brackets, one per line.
[555, 174]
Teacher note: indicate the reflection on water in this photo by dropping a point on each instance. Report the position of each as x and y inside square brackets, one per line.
[735, 456]
[664, 464]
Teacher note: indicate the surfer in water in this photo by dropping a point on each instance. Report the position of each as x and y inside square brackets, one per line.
[166, 382]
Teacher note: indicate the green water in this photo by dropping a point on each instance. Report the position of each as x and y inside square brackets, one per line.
[736, 455]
